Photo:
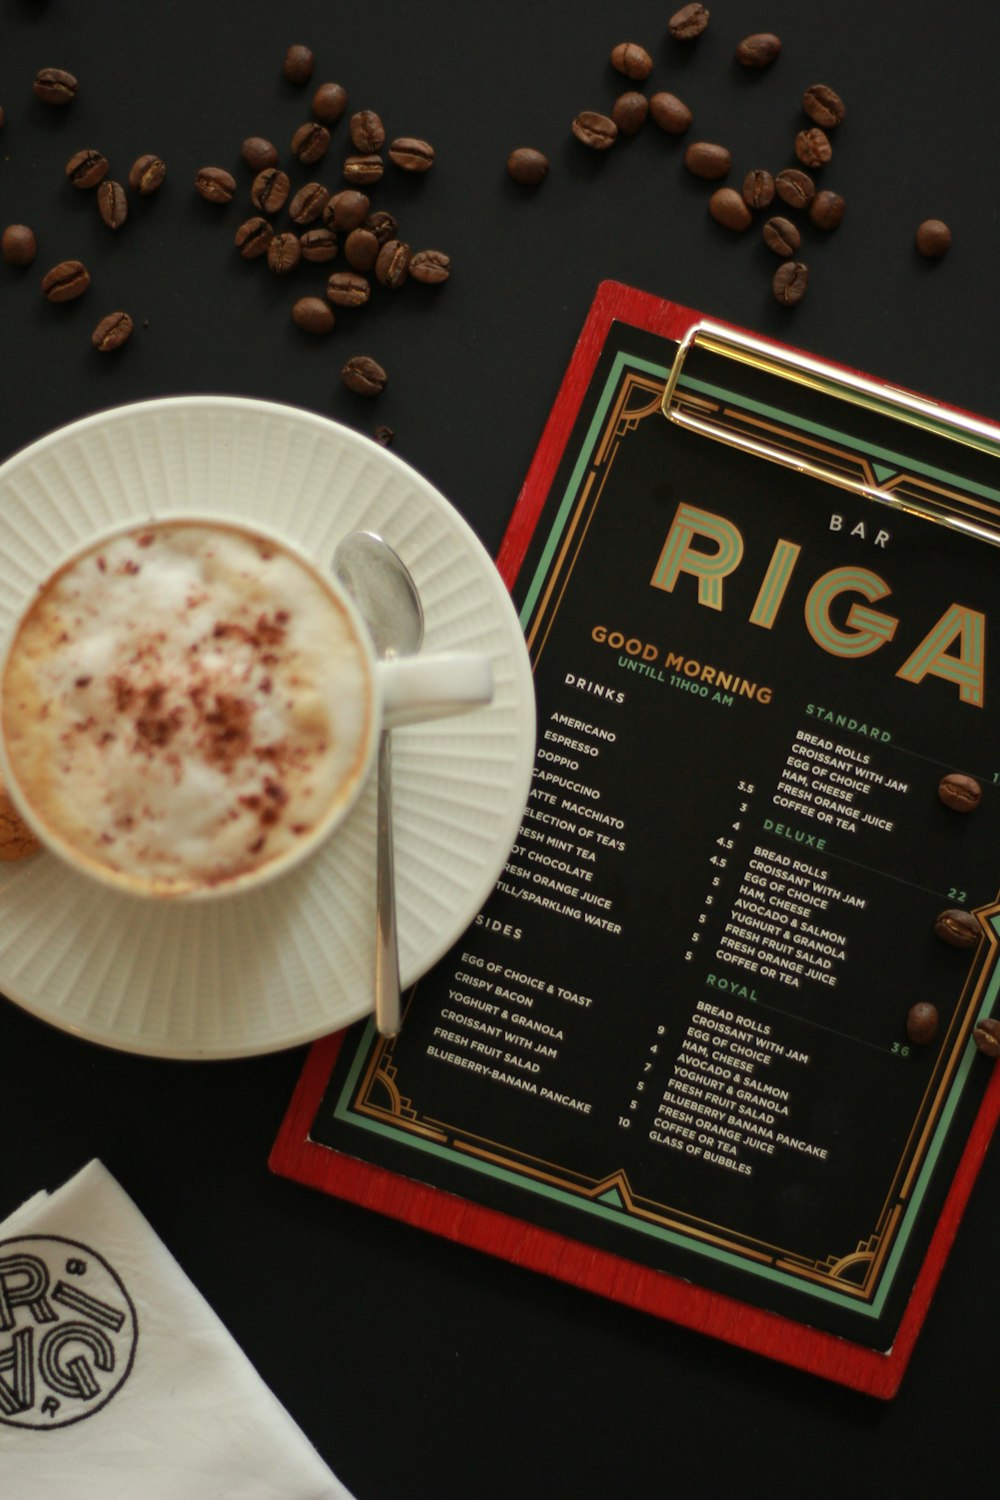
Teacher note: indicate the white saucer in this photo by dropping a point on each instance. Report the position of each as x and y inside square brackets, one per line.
[293, 961]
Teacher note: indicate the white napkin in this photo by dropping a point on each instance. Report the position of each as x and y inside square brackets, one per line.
[117, 1380]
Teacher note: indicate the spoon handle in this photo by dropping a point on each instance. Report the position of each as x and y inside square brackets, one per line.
[387, 997]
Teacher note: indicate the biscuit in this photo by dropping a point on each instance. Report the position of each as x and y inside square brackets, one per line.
[16, 839]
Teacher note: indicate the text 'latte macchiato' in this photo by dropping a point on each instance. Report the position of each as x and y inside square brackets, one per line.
[185, 704]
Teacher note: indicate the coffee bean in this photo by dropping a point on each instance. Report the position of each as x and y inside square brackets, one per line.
[781, 236]
[986, 1036]
[112, 332]
[411, 154]
[823, 105]
[727, 207]
[812, 147]
[313, 315]
[147, 175]
[348, 289]
[308, 203]
[329, 103]
[758, 189]
[795, 188]
[759, 50]
[298, 64]
[957, 928]
[789, 282]
[3, 117]
[383, 436]
[253, 237]
[392, 267]
[527, 166]
[318, 244]
[826, 210]
[707, 160]
[597, 131]
[629, 112]
[18, 245]
[85, 169]
[363, 169]
[284, 253]
[361, 249]
[364, 376]
[346, 210]
[670, 113]
[922, 1023]
[933, 239]
[112, 204]
[959, 792]
[269, 190]
[382, 225]
[632, 60]
[687, 23]
[259, 153]
[430, 267]
[66, 281]
[55, 86]
[366, 131]
[310, 142]
[216, 185]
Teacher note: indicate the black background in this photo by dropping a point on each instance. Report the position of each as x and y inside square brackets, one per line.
[417, 1367]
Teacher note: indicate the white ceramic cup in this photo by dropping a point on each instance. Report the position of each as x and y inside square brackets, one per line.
[190, 707]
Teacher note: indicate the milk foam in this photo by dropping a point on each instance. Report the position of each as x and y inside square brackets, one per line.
[184, 703]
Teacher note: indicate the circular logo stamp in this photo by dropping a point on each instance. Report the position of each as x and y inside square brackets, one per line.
[68, 1331]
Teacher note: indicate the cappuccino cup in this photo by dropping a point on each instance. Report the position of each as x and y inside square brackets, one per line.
[190, 707]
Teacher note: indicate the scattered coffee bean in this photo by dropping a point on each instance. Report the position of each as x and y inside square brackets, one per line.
[957, 928]
[364, 375]
[922, 1023]
[363, 169]
[812, 147]
[632, 60]
[383, 436]
[960, 792]
[366, 131]
[382, 225]
[66, 281]
[216, 185]
[85, 169]
[3, 117]
[527, 166]
[670, 113]
[781, 236]
[112, 332]
[284, 253]
[758, 189]
[687, 23]
[55, 86]
[329, 102]
[826, 210]
[705, 159]
[259, 153]
[759, 50]
[795, 188]
[411, 154]
[346, 210]
[298, 64]
[430, 266]
[269, 190]
[823, 105]
[313, 315]
[933, 239]
[727, 207]
[310, 143]
[112, 204]
[790, 282]
[18, 245]
[629, 112]
[253, 237]
[308, 203]
[147, 175]
[318, 244]
[392, 267]
[348, 289]
[595, 130]
[361, 249]
[986, 1035]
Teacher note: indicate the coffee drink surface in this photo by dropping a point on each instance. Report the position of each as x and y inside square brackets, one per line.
[185, 704]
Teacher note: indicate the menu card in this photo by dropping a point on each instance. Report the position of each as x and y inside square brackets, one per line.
[674, 1047]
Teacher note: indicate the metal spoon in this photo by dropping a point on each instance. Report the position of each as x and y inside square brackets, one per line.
[378, 582]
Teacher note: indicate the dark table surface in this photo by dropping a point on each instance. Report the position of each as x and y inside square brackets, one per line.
[419, 1368]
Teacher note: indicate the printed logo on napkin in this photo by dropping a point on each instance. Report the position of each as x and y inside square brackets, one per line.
[68, 1332]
